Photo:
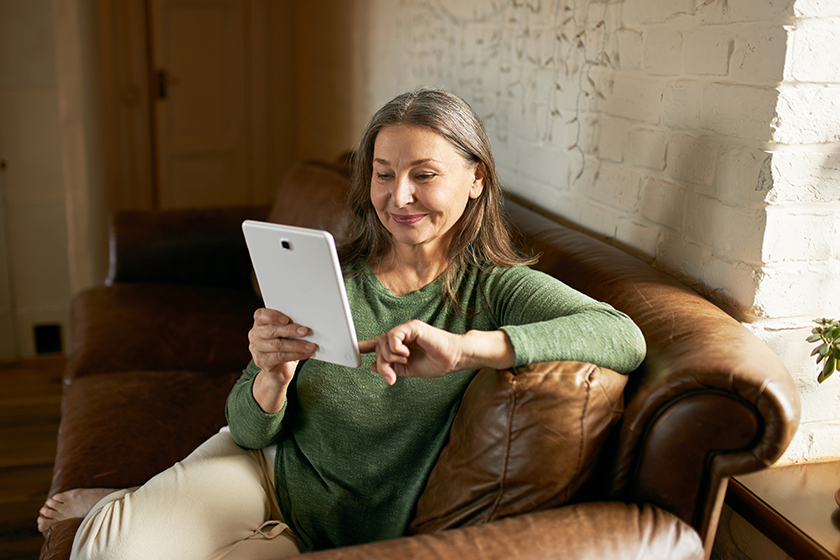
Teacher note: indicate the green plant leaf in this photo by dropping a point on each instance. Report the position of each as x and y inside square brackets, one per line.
[827, 370]
[824, 349]
[814, 338]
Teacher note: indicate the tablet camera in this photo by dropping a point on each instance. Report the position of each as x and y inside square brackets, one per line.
[286, 244]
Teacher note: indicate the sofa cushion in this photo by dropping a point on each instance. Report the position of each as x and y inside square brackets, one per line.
[523, 440]
[128, 327]
[314, 195]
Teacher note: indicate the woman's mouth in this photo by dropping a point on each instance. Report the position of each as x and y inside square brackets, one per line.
[407, 219]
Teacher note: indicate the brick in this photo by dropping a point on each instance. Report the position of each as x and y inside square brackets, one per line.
[759, 55]
[655, 11]
[583, 175]
[786, 338]
[613, 137]
[806, 175]
[647, 148]
[789, 289]
[618, 187]
[817, 8]
[682, 101]
[596, 87]
[691, 158]
[681, 257]
[565, 93]
[802, 233]
[734, 231]
[521, 123]
[760, 10]
[543, 164]
[664, 203]
[506, 156]
[808, 114]
[663, 51]
[629, 49]
[599, 219]
[813, 53]
[585, 133]
[732, 281]
[543, 195]
[640, 236]
[707, 51]
[741, 111]
[744, 174]
[745, 11]
[634, 97]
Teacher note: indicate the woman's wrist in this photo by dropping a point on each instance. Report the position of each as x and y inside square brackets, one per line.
[487, 349]
[269, 392]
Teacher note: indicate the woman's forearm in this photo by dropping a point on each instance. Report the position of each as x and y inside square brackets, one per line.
[487, 349]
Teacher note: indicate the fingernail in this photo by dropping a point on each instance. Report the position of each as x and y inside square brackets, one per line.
[301, 331]
[309, 347]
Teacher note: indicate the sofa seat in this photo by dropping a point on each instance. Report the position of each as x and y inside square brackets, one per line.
[117, 432]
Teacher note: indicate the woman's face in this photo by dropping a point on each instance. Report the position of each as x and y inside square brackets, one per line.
[420, 186]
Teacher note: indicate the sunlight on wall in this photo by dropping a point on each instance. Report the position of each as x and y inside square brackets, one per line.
[704, 136]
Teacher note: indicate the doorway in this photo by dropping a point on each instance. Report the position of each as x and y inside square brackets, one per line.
[185, 91]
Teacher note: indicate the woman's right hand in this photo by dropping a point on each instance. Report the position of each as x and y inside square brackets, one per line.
[277, 354]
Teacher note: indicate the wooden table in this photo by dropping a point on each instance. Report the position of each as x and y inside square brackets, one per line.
[793, 506]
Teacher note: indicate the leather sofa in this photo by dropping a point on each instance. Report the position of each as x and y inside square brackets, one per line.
[552, 460]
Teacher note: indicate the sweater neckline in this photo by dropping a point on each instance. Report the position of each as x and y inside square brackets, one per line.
[376, 284]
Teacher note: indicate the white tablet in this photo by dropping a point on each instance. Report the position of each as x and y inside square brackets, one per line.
[299, 275]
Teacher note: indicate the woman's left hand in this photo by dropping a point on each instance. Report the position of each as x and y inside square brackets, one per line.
[417, 349]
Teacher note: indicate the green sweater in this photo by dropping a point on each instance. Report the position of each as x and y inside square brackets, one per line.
[354, 453]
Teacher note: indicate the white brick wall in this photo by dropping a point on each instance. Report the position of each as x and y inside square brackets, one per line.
[703, 134]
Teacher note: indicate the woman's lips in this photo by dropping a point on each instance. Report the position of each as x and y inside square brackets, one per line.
[407, 219]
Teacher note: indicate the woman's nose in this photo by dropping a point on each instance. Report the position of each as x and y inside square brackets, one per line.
[403, 194]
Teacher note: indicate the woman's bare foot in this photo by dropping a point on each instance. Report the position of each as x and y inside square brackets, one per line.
[66, 505]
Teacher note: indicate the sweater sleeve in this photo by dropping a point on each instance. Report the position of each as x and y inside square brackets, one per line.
[547, 320]
[250, 426]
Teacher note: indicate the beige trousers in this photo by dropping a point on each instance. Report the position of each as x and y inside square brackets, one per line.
[217, 503]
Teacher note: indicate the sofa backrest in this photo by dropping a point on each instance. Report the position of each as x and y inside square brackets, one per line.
[313, 195]
[710, 400]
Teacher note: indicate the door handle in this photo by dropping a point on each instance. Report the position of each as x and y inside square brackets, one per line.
[163, 80]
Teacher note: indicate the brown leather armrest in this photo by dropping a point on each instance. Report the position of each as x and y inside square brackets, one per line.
[710, 400]
[192, 246]
[580, 532]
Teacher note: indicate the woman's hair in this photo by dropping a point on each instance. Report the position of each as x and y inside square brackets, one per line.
[482, 236]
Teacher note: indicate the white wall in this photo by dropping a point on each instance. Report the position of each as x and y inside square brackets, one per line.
[701, 135]
[799, 277]
[34, 277]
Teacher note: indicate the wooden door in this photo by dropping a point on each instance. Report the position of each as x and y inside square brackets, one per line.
[201, 94]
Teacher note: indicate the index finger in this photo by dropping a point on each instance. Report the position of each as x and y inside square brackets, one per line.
[368, 346]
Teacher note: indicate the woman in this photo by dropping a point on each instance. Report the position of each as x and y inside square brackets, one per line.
[437, 292]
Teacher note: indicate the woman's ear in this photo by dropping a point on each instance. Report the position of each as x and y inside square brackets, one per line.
[478, 183]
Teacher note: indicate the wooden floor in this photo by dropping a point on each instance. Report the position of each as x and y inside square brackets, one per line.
[30, 403]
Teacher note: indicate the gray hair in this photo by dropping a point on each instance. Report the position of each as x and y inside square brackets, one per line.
[483, 234]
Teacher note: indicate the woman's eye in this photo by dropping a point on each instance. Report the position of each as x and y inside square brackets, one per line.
[425, 176]
[382, 176]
